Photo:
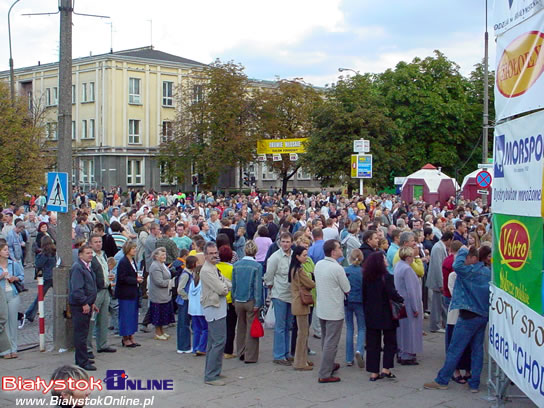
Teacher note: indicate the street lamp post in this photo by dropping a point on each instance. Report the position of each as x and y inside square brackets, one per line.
[11, 73]
[486, 101]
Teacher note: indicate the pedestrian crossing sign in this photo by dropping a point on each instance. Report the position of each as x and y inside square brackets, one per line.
[57, 192]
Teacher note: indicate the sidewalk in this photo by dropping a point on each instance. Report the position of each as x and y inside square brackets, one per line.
[256, 385]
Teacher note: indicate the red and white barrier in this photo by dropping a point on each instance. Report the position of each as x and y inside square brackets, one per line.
[41, 313]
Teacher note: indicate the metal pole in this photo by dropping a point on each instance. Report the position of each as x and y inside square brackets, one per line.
[62, 332]
[41, 312]
[11, 73]
[360, 186]
[486, 100]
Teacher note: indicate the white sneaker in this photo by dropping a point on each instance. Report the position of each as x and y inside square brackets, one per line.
[438, 331]
[22, 322]
[184, 351]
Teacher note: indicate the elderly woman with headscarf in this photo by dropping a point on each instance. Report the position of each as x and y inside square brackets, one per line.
[410, 333]
[160, 283]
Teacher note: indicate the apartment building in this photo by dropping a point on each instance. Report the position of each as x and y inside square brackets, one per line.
[123, 105]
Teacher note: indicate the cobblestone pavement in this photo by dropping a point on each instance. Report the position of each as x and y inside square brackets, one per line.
[257, 385]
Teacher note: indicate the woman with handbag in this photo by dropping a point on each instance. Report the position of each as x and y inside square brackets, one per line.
[11, 276]
[301, 286]
[410, 333]
[378, 292]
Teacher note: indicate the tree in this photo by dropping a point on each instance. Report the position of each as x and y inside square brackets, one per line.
[285, 112]
[213, 130]
[429, 102]
[22, 163]
[353, 109]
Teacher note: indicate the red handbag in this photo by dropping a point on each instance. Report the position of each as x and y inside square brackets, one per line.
[256, 328]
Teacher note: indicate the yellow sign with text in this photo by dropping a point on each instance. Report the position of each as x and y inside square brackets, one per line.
[281, 146]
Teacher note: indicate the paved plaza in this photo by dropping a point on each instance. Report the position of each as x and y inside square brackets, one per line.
[248, 385]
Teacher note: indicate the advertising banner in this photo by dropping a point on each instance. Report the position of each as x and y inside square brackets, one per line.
[519, 84]
[361, 166]
[516, 343]
[518, 163]
[518, 257]
[509, 13]
[281, 146]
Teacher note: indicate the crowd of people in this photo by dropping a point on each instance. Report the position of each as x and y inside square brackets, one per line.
[215, 266]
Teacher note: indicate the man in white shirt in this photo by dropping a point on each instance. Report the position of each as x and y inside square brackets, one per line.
[331, 231]
[332, 285]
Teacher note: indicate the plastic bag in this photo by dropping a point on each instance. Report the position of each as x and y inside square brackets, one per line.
[270, 318]
[256, 328]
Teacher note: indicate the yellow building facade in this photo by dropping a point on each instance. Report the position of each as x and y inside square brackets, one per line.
[123, 105]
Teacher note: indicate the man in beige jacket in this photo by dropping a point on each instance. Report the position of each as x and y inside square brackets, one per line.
[214, 305]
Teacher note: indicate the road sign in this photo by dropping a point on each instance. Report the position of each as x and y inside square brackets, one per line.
[276, 157]
[483, 179]
[261, 157]
[485, 165]
[57, 192]
[293, 157]
[361, 146]
[484, 192]
[361, 166]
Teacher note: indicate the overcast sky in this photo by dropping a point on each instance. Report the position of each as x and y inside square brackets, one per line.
[307, 39]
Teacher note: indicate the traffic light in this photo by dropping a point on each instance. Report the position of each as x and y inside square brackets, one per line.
[195, 179]
[246, 178]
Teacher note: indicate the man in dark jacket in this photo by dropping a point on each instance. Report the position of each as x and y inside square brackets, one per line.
[99, 268]
[370, 243]
[81, 296]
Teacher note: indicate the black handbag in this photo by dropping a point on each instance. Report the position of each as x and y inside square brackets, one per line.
[19, 286]
[398, 310]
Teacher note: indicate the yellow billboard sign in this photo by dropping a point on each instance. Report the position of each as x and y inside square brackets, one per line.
[281, 146]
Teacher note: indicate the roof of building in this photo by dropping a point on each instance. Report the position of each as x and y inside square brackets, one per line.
[150, 53]
[143, 53]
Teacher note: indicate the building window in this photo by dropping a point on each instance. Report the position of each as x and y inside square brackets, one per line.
[166, 134]
[134, 95]
[268, 173]
[83, 92]
[91, 128]
[84, 134]
[86, 171]
[48, 97]
[52, 133]
[55, 96]
[167, 93]
[135, 172]
[74, 95]
[197, 94]
[164, 179]
[303, 174]
[91, 91]
[133, 131]
[73, 130]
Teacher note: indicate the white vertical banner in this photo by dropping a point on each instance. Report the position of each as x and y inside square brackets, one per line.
[516, 343]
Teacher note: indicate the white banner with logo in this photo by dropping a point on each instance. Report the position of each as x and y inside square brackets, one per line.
[516, 343]
[510, 13]
[517, 166]
[519, 84]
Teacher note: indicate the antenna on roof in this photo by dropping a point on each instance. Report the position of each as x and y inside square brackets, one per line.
[151, 33]
[111, 36]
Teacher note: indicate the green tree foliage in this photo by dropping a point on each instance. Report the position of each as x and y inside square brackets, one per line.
[213, 131]
[353, 109]
[22, 163]
[285, 112]
[429, 101]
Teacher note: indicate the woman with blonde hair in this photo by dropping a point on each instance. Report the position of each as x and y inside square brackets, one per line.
[409, 335]
[354, 306]
[474, 240]
[126, 291]
[160, 283]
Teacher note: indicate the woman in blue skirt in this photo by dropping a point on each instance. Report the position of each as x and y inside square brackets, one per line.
[126, 291]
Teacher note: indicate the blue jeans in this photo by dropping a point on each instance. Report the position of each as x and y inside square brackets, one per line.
[33, 308]
[200, 333]
[183, 332]
[357, 310]
[467, 331]
[284, 321]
